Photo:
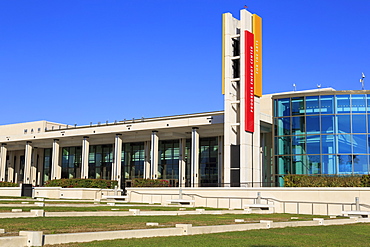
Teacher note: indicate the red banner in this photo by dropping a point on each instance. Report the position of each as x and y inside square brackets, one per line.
[249, 81]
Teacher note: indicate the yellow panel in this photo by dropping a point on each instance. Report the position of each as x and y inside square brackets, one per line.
[257, 31]
[223, 52]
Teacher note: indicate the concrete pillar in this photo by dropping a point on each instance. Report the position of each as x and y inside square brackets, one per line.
[56, 169]
[116, 169]
[27, 163]
[194, 157]
[3, 150]
[182, 162]
[147, 159]
[34, 165]
[231, 93]
[154, 155]
[11, 167]
[85, 157]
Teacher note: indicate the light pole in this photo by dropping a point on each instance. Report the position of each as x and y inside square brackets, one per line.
[362, 81]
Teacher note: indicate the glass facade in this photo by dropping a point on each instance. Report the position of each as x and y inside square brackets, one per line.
[208, 163]
[322, 134]
[133, 158]
[47, 165]
[100, 161]
[21, 169]
[168, 164]
[71, 162]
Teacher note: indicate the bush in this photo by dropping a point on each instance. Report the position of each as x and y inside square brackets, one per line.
[144, 182]
[82, 183]
[365, 181]
[326, 181]
[8, 184]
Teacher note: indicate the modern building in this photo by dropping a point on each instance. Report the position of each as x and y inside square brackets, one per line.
[253, 142]
[321, 132]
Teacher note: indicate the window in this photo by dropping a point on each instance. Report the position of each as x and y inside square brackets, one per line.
[208, 163]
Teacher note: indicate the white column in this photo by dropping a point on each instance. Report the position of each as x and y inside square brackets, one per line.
[34, 165]
[10, 166]
[3, 151]
[194, 157]
[182, 163]
[85, 157]
[232, 91]
[147, 159]
[154, 155]
[56, 169]
[27, 163]
[116, 169]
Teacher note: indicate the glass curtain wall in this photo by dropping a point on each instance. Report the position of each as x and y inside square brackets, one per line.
[208, 163]
[71, 162]
[47, 165]
[6, 168]
[133, 159]
[100, 161]
[188, 163]
[168, 164]
[21, 169]
[324, 134]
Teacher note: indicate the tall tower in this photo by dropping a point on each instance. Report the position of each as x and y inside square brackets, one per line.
[242, 89]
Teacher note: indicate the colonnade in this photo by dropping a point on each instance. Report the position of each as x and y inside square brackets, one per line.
[33, 160]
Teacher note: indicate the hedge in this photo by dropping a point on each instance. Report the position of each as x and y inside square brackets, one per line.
[144, 182]
[82, 183]
[8, 184]
[326, 181]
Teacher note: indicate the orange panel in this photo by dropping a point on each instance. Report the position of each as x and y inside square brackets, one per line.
[257, 31]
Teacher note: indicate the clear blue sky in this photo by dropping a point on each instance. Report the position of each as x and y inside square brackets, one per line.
[82, 61]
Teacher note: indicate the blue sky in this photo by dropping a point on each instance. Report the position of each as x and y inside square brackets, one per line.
[82, 61]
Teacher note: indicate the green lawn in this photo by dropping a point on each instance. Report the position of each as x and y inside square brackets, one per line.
[103, 207]
[51, 225]
[347, 235]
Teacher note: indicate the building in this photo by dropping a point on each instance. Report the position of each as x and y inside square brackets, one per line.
[321, 132]
[254, 142]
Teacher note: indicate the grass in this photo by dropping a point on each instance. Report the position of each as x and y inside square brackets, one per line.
[346, 235]
[52, 225]
[28, 207]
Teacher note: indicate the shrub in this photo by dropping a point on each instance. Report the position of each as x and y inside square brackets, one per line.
[326, 181]
[8, 184]
[365, 181]
[82, 183]
[145, 182]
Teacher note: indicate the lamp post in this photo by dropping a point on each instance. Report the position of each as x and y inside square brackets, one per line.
[362, 81]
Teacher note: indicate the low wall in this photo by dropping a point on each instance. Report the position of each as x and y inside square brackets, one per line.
[72, 193]
[13, 241]
[319, 201]
[61, 193]
[10, 191]
[108, 235]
